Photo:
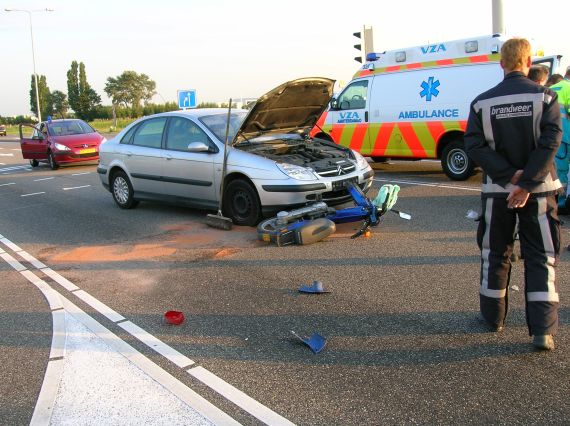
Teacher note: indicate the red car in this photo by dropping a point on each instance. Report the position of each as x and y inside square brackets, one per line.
[60, 142]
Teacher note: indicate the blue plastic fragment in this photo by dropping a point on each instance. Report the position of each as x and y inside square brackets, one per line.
[316, 342]
[316, 287]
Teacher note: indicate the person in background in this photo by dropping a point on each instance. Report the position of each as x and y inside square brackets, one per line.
[539, 74]
[562, 159]
[553, 79]
[513, 133]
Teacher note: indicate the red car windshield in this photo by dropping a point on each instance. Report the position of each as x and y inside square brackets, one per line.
[69, 127]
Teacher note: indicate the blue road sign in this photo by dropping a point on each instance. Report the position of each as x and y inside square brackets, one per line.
[187, 99]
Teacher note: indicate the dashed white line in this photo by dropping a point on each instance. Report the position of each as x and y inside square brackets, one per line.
[81, 174]
[159, 346]
[13, 262]
[7, 155]
[76, 187]
[9, 244]
[68, 285]
[239, 398]
[33, 193]
[31, 259]
[6, 184]
[48, 178]
[99, 306]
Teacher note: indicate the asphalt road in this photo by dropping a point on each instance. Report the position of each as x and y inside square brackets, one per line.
[403, 343]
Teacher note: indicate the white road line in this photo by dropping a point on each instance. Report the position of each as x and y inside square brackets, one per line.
[29, 258]
[7, 155]
[239, 398]
[6, 184]
[68, 285]
[13, 262]
[435, 185]
[15, 149]
[48, 178]
[2, 164]
[33, 193]
[76, 187]
[159, 346]
[10, 244]
[12, 168]
[99, 306]
[175, 386]
[80, 174]
[54, 371]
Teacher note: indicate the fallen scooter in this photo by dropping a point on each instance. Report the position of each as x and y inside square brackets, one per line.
[312, 223]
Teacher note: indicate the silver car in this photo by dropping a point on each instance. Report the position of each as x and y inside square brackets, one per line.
[272, 162]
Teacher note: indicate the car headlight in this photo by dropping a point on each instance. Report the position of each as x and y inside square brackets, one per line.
[360, 160]
[61, 147]
[296, 172]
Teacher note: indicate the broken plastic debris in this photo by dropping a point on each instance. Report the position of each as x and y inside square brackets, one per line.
[174, 317]
[472, 214]
[316, 342]
[316, 287]
[515, 288]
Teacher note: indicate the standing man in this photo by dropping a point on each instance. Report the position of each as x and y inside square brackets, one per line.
[513, 133]
[562, 159]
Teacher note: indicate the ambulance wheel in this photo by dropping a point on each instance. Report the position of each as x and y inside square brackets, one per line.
[455, 162]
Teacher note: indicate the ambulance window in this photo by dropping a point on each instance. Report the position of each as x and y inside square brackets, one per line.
[354, 96]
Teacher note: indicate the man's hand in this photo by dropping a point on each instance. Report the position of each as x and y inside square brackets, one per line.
[517, 198]
[516, 177]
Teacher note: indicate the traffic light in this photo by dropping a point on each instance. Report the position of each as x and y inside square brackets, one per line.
[366, 46]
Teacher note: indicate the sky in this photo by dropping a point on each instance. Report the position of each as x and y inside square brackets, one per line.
[231, 49]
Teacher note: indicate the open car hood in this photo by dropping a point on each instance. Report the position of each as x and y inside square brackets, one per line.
[294, 106]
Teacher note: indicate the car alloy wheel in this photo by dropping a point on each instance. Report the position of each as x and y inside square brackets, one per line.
[122, 191]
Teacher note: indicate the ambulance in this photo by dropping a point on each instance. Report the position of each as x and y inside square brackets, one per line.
[414, 103]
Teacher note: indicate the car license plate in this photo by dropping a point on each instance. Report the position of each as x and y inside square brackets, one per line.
[341, 184]
[87, 151]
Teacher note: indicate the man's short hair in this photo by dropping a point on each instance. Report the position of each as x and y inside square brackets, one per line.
[514, 53]
[538, 73]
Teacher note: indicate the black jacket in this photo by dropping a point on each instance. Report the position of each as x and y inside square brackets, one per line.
[515, 125]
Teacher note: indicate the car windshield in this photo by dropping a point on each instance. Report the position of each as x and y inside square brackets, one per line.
[69, 127]
[217, 124]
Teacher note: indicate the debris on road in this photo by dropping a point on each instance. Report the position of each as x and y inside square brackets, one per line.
[317, 287]
[316, 342]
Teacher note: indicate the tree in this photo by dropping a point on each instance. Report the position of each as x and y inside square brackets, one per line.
[59, 103]
[82, 98]
[129, 89]
[45, 97]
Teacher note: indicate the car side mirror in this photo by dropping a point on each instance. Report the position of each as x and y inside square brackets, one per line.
[198, 147]
[333, 103]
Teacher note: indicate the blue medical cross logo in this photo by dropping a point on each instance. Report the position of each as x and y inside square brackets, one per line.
[429, 89]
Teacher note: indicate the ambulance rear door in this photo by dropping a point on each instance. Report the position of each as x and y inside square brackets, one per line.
[349, 115]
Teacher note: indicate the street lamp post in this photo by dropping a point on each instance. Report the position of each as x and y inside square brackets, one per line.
[29, 12]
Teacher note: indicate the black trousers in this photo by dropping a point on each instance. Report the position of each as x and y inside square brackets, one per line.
[539, 235]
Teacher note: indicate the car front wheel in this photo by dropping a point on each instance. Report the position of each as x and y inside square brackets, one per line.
[241, 203]
[122, 191]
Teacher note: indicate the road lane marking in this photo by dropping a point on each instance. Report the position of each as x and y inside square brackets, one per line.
[33, 193]
[68, 285]
[2, 164]
[9, 244]
[171, 383]
[239, 398]
[81, 174]
[76, 187]
[12, 262]
[12, 168]
[6, 155]
[54, 370]
[6, 184]
[434, 185]
[158, 345]
[99, 306]
[48, 178]
[217, 384]
[31, 259]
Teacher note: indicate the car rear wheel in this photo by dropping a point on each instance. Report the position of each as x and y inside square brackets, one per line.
[34, 163]
[51, 160]
[122, 190]
[241, 203]
[455, 162]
